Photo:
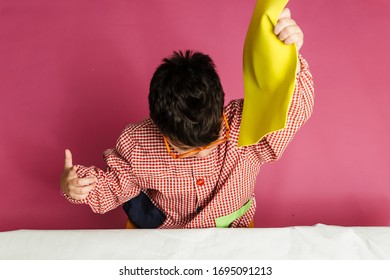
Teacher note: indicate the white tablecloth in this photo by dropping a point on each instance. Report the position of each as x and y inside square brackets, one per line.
[315, 242]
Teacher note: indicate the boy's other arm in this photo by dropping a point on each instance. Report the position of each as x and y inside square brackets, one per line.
[101, 190]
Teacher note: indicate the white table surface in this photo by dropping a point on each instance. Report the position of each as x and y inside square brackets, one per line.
[312, 242]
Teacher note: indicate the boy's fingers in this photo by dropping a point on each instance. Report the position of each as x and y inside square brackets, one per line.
[290, 31]
[82, 192]
[293, 39]
[286, 13]
[282, 24]
[68, 159]
[85, 189]
[81, 182]
[89, 188]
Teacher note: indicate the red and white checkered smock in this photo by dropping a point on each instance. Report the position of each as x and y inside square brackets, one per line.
[193, 192]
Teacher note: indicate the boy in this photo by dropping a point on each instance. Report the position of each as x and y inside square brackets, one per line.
[182, 168]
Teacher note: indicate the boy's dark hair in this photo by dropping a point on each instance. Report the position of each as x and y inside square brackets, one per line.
[186, 99]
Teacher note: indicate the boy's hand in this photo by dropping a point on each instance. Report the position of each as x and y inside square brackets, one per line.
[287, 30]
[76, 188]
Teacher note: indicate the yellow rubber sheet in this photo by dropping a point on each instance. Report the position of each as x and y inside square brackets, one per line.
[269, 75]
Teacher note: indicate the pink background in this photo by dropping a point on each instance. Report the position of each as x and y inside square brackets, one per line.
[74, 73]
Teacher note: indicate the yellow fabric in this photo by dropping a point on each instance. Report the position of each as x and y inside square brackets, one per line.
[269, 75]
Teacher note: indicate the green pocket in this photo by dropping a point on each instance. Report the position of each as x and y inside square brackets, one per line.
[225, 221]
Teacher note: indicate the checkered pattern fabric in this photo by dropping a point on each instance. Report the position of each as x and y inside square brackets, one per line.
[193, 192]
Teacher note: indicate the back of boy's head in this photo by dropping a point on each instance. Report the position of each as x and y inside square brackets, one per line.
[186, 99]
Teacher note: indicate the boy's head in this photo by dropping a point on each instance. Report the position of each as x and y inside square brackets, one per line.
[186, 99]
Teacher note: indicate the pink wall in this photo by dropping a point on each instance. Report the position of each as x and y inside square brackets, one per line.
[74, 73]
